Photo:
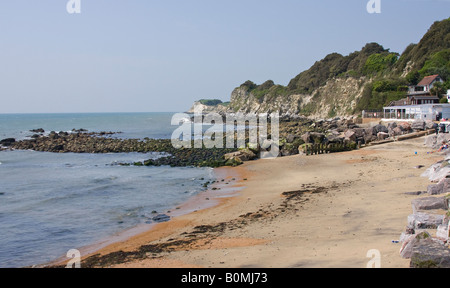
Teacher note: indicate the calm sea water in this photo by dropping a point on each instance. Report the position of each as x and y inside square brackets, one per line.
[51, 203]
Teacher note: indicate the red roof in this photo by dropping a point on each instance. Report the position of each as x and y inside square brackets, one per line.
[427, 80]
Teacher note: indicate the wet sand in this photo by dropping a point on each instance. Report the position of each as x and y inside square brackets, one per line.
[301, 211]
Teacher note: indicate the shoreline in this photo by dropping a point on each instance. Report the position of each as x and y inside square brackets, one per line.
[316, 211]
[207, 199]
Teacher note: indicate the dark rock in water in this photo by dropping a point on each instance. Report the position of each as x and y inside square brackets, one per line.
[161, 218]
[79, 130]
[7, 142]
[2, 193]
[40, 130]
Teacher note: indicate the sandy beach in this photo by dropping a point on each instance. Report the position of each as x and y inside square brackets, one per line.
[298, 212]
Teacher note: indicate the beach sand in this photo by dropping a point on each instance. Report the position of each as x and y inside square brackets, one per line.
[316, 211]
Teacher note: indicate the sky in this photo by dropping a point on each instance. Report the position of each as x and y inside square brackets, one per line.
[161, 56]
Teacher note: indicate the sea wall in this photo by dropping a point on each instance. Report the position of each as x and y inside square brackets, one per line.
[426, 238]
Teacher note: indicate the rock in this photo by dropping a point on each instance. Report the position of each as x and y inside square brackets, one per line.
[40, 130]
[392, 125]
[291, 138]
[233, 162]
[161, 218]
[317, 137]
[430, 254]
[418, 124]
[442, 232]
[420, 220]
[430, 124]
[242, 155]
[436, 172]
[379, 128]
[350, 134]
[397, 131]
[429, 203]
[289, 149]
[382, 136]
[405, 126]
[440, 188]
[335, 139]
[430, 141]
[409, 241]
[313, 137]
[7, 142]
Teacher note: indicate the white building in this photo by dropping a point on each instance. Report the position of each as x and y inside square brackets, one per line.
[433, 112]
[448, 95]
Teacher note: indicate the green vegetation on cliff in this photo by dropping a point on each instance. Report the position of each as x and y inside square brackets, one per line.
[381, 76]
[210, 102]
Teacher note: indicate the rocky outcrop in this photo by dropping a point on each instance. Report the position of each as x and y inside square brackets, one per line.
[7, 142]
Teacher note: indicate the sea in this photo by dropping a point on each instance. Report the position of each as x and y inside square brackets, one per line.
[51, 203]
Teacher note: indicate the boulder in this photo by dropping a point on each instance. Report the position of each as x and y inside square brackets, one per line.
[350, 134]
[161, 218]
[418, 125]
[392, 125]
[379, 128]
[291, 138]
[429, 203]
[7, 142]
[442, 232]
[317, 137]
[242, 155]
[235, 161]
[335, 139]
[430, 125]
[440, 188]
[420, 220]
[436, 172]
[382, 136]
[289, 149]
[430, 141]
[396, 131]
[405, 126]
[430, 254]
[40, 130]
[313, 137]
[306, 137]
[410, 241]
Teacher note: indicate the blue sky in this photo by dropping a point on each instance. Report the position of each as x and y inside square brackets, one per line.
[151, 56]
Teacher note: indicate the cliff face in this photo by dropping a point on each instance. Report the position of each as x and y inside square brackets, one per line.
[338, 97]
[343, 86]
[243, 100]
